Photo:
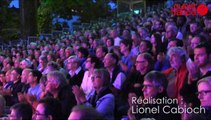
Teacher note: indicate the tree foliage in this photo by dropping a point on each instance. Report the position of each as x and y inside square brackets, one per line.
[86, 9]
[3, 11]
[45, 18]
[9, 21]
[49, 9]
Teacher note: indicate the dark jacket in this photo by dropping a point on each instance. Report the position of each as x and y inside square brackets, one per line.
[202, 116]
[160, 114]
[76, 79]
[188, 91]
[67, 100]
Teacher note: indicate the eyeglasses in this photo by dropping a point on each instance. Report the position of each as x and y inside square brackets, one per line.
[94, 77]
[88, 60]
[38, 114]
[148, 86]
[70, 62]
[141, 62]
[50, 81]
[203, 92]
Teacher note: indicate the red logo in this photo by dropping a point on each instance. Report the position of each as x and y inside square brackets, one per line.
[189, 9]
[202, 9]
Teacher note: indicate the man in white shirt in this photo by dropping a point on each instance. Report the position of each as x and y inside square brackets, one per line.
[117, 77]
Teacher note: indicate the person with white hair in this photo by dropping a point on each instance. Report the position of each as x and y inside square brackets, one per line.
[58, 88]
[33, 45]
[144, 33]
[75, 71]
[25, 63]
[172, 32]
[177, 75]
[102, 99]
[43, 64]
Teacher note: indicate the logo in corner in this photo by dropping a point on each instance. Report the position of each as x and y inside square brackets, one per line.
[202, 9]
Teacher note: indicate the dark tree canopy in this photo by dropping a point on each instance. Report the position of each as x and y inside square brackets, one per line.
[86, 9]
[31, 18]
[9, 21]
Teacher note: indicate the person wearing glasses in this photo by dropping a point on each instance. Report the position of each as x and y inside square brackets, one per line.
[154, 88]
[75, 71]
[48, 109]
[92, 62]
[144, 64]
[204, 95]
[200, 68]
[103, 99]
[57, 87]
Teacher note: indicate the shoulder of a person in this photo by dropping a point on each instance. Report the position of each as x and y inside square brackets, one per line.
[166, 72]
[86, 72]
[109, 95]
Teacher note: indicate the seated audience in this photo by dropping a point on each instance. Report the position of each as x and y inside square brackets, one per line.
[154, 87]
[103, 99]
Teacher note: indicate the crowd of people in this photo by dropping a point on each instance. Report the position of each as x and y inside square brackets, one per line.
[97, 73]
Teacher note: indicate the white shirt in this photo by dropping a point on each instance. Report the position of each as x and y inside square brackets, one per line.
[87, 85]
[76, 71]
[179, 36]
[120, 78]
[117, 41]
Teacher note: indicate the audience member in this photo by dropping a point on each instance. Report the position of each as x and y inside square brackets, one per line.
[83, 112]
[115, 36]
[16, 87]
[76, 72]
[204, 90]
[100, 52]
[126, 60]
[154, 87]
[144, 64]
[57, 87]
[132, 54]
[48, 108]
[24, 77]
[103, 99]
[33, 81]
[117, 76]
[177, 75]
[92, 63]
[42, 64]
[21, 111]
